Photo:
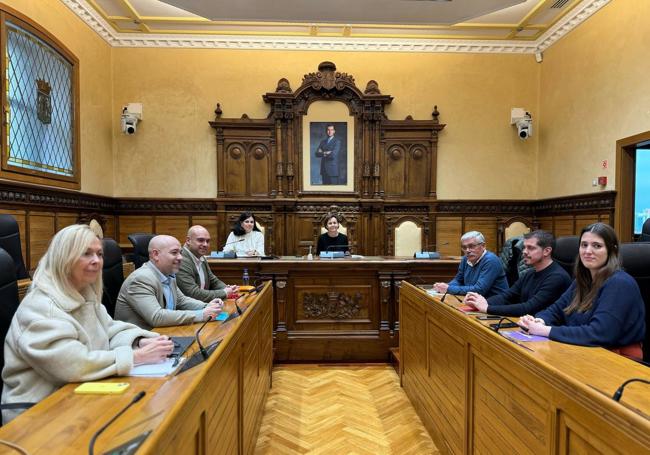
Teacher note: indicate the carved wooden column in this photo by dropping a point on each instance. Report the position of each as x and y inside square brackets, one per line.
[386, 299]
[280, 282]
[398, 277]
[290, 155]
[277, 191]
[221, 174]
[433, 159]
[365, 178]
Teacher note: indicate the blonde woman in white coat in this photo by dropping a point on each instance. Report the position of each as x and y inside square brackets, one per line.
[62, 333]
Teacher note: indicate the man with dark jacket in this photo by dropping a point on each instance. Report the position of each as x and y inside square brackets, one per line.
[195, 279]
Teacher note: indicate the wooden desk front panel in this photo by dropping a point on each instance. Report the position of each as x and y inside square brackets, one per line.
[476, 392]
[334, 301]
[336, 310]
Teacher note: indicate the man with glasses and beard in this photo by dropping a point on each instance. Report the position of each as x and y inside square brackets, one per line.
[480, 270]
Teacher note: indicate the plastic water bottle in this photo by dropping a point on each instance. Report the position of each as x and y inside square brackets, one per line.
[245, 278]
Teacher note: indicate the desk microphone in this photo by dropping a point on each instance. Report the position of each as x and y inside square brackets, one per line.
[444, 296]
[230, 243]
[619, 392]
[239, 310]
[204, 353]
[332, 247]
[425, 254]
[136, 398]
[496, 327]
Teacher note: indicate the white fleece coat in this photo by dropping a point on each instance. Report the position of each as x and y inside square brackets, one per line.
[55, 339]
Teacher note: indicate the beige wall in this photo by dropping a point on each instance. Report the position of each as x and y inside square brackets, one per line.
[595, 86]
[180, 88]
[95, 87]
[591, 89]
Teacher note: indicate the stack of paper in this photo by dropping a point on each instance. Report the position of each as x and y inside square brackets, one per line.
[157, 370]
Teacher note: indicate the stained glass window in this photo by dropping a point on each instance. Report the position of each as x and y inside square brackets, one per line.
[39, 89]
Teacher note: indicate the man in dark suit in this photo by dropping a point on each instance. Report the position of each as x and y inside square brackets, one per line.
[329, 150]
[195, 279]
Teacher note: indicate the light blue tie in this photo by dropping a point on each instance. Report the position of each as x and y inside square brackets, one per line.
[167, 291]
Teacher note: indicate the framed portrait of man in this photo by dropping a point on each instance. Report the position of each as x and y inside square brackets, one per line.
[328, 143]
[328, 155]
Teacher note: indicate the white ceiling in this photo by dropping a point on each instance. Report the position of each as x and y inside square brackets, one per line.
[496, 26]
[421, 12]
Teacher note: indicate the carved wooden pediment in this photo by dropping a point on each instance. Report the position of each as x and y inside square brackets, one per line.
[328, 78]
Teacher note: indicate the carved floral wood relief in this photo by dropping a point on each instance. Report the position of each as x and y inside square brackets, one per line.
[331, 305]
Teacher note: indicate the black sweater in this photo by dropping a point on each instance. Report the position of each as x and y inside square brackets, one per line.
[532, 292]
[325, 241]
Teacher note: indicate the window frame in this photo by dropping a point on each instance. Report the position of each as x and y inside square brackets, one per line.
[16, 173]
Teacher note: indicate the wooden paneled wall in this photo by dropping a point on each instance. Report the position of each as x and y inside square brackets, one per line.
[290, 227]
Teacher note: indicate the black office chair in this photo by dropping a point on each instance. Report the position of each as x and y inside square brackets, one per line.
[645, 231]
[9, 302]
[635, 259]
[10, 242]
[140, 248]
[566, 251]
[112, 274]
[511, 256]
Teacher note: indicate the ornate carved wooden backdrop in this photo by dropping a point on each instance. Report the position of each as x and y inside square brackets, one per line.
[395, 164]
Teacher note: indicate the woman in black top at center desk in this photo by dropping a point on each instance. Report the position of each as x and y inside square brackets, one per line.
[332, 239]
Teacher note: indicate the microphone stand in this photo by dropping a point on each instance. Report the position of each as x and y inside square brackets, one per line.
[202, 350]
[227, 255]
[136, 398]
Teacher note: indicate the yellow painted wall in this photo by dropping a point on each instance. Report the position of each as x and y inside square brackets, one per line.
[173, 152]
[595, 87]
[94, 55]
[591, 89]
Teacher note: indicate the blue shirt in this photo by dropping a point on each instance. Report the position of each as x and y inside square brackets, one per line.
[166, 281]
[616, 317]
[168, 292]
[487, 277]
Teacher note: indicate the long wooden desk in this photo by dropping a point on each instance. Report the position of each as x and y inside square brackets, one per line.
[336, 309]
[478, 392]
[214, 408]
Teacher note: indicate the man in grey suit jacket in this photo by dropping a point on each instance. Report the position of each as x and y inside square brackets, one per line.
[195, 279]
[150, 298]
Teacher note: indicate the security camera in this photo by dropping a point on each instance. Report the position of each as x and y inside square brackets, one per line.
[525, 127]
[131, 113]
[129, 123]
[523, 121]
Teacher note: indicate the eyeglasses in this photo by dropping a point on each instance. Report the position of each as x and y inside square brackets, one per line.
[471, 246]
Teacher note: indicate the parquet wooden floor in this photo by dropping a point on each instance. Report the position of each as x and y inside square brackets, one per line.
[340, 409]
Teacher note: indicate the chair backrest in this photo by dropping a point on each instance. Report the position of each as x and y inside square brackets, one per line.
[645, 231]
[140, 248]
[408, 239]
[9, 300]
[112, 274]
[635, 259]
[10, 242]
[566, 251]
[512, 259]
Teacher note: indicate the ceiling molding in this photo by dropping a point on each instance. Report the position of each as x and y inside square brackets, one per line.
[340, 44]
[569, 22]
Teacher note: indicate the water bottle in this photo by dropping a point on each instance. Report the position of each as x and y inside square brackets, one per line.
[245, 278]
